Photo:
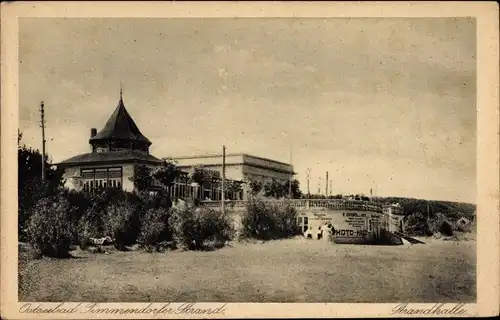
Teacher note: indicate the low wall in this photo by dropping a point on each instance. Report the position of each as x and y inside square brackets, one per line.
[355, 222]
[347, 226]
[305, 204]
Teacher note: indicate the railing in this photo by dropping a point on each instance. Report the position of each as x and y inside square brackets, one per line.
[335, 204]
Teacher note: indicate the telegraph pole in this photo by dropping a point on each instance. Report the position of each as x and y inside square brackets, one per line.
[223, 176]
[308, 177]
[42, 125]
[330, 187]
[326, 185]
[291, 177]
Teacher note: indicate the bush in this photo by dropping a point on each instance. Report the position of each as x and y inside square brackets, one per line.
[115, 213]
[445, 228]
[269, 220]
[193, 228]
[440, 224]
[80, 204]
[49, 229]
[464, 228]
[416, 225]
[118, 223]
[154, 229]
[90, 226]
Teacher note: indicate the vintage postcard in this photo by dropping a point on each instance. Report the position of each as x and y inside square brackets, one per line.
[249, 160]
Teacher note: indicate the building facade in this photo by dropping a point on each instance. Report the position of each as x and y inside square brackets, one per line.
[240, 167]
[120, 146]
[114, 153]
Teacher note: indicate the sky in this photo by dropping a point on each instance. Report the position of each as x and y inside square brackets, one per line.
[383, 104]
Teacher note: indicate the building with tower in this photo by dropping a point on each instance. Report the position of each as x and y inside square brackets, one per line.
[114, 151]
[120, 146]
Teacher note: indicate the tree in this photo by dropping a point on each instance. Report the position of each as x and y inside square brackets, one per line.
[277, 189]
[233, 188]
[273, 189]
[31, 188]
[417, 225]
[202, 176]
[49, 229]
[166, 174]
[255, 186]
[296, 193]
[143, 178]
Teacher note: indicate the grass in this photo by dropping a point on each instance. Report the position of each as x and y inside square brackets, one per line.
[293, 270]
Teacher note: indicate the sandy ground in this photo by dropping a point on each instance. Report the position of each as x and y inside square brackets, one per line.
[292, 270]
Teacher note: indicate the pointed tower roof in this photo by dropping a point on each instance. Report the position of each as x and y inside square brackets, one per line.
[121, 126]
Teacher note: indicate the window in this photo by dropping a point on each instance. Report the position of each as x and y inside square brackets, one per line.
[102, 178]
[88, 174]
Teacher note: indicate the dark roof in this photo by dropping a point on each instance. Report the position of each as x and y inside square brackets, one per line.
[112, 156]
[121, 126]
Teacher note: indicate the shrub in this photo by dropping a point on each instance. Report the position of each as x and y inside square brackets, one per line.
[440, 224]
[194, 227]
[49, 229]
[118, 223]
[257, 220]
[269, 220]
[80, 204]
[446, 228]
[287, 220]
[90, 226]
[154, 229]
[416, 225]
[468, 227]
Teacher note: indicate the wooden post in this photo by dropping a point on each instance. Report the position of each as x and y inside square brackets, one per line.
[308, 176]
[291, 177]
[223, 177]
[42, 125]
[326, 185]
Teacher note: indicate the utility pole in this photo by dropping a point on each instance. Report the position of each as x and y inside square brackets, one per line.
[326, 185]
[291, 177]
[223, 176]
[330, 187]
[308, 178]
[42, 125]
